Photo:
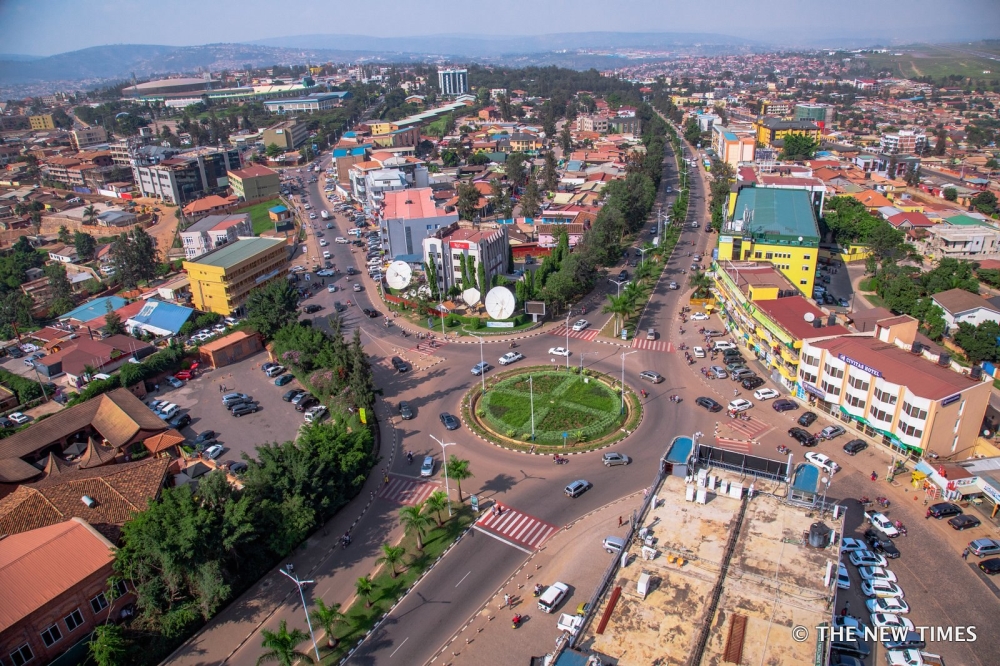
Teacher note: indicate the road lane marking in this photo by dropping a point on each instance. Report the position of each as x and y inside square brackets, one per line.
[463, 578]
[400, 646]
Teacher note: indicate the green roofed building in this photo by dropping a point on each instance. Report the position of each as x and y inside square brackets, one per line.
[221, 279]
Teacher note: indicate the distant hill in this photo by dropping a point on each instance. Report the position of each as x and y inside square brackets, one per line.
[18, 57]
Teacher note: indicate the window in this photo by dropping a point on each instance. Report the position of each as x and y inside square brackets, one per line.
[810, 360]
[119, 589]
[915, 412]
[99, 603]
[769, 255]
[857, 383]
[910, 430]
[21, 655]
[74, 619]
[803, 281]
[880, 415]
[806, 257]
[854, 401]
[832, 389]
[835, 373]
[756, 255]
[807, 376]
[885, 396]
[51, 635]
[805, 268]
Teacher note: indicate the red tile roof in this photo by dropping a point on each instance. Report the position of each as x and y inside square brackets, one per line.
[790, 314]
[915, 220]
[254, 171]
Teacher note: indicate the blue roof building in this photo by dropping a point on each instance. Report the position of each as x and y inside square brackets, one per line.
[159, 318]
[94, 309]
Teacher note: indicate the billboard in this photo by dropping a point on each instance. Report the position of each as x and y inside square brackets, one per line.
[535, 308]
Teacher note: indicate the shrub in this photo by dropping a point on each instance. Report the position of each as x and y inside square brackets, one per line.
[25, 389]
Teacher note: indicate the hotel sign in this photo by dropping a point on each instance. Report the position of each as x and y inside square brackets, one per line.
[859, 365]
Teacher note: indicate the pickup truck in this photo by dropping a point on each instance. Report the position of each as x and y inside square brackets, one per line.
[880, 522]
[570, 623]
[913, 658]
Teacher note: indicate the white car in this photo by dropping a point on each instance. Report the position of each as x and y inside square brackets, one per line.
[765, 393]
[699, 352]
[297, 269]
[850, 545]
[341, 240]
[907, 657]
[326, 272]
[699, 316]
[314, 414]
[326, 254]
[323, 242]
[581, 324]
[19, 418]
[740, 405]
[877, 574]
[332, 288]
[510, 357]
[213, 451]
[843, 578]
[559, 351]
[823, 462]
[875, 588]
[880, 522]
[866, 558]
[312, 216]
[891, 620]
[892, 605]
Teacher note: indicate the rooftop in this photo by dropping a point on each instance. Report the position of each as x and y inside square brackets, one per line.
[210, 222]
[232, 254]
[790, 313]
[786, 215]
[225, 341]
[924, 378]
[95, 308]
[35, 568]
[253, 171]
[956, 301]
[412, 204]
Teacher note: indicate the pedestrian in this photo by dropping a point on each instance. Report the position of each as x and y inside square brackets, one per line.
[874, 476]
[965, 554]
[736, 392]
[506, 600]
[385, 479]
[220, 388]
[619, 521]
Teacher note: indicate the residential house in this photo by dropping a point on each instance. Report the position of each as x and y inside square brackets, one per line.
[961, 306]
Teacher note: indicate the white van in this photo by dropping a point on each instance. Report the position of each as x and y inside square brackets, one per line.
[552, 597]
[722, 345]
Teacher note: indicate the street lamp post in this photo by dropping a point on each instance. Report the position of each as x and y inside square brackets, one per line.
[301, 584]
[643, 251]
[482, 368]
[531, 393]
[619, 283]
[624, 354]
[582, 354]
[568, 313]
[444, 463]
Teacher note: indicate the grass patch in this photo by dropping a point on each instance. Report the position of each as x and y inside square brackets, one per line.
[565, 418]
[259, 216]
[509, 409]
[388, 589]
[875, 300]
[593, 396]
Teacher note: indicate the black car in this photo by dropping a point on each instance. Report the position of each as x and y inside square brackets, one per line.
[290, 395]
[6, 422]
[802, 436]
[732, 356]
[371, 313]
[943, 510]
[855, 446]
[991, 566]
[306, 403]
[784, 405]
[963, 522]
[245, 408]
[750, 383]
[399, 364]
[449, 421]
[880, 544]
[807, 419]
[623, 275]
[405, 411]
[708, 404]
[351, 270]
[180, 421]
[309, 309]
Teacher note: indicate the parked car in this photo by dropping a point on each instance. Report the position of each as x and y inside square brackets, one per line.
[843, 578]
[784, 405]
[866, 558]
[751, 383]
[244, 408]
[990, 567]
[877, 588]
[880, 544]
[291, 394]
[315, 414]
[822, 461]
[399, 364]
[310, 309]
[830, 432]
[700, 316]
[19, 418]
[765, 394]
[895, 606]
[173, 381]
[449, 421]
[855, 446]
[283, 379]
[708, 403]
[180, 421]
[964, 522]
[943, 510]
[740, 405]
[807, 419]
[213, 451]
[877, 574]
[613, 458]
[718, 372]
[802, 436]
[850, 544]
[984, 547]
[306, 402]
[275, 370]
[185, 375]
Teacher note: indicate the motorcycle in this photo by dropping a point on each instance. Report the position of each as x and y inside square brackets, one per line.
[409, 457]
[560, 460]
[345, 540]
[899, 526]
[513, 345]
[682, 346]
[784, 450]
[538, 590]
[516, 621]
[865, 502]
[883, 502]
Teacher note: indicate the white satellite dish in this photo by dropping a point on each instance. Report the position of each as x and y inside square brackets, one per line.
[809, 317]
[500, 303]
[398, 274]
[471, 296]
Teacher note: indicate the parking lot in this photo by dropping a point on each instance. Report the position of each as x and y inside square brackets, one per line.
[275, 421]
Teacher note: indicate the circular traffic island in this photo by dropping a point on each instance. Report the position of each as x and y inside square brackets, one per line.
[544, 410]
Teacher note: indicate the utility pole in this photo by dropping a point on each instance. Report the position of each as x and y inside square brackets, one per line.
[301, 584]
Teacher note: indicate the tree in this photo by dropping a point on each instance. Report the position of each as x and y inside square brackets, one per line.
[500, 200]
[618, 306]
[281, 646]
[481, 278]
[566, 141]
[692, 132]
[468, 200]
[61, 289]
[108, 645]
[950, 194]
[85, 245]
[271, 307]
[430, 269]
[113, 322]
[36, 221]
[515, 169]
[364, 588]
[89, 215]
[391, 555]
[478, 158]
[979, 342]
[985, 203]
[134, 257]
[701, 283]
[63, 234]
[530, 204]
[328, 617]
[549, 176]
[273, 150]
[798, 147]
[941, 144]
[436, 503]
[416, 521]
[458, 470]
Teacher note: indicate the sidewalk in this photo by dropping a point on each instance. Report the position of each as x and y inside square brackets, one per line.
[233, 636]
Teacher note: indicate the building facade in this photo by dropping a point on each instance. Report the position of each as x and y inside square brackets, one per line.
[222, 279]
[453, 81]
[41, 122]
[731, 147]
[255, 182]
[407, 217]
[906, 142]
[214, 231]
[287, 135]
[188, 175]
[446, 247]
[770, 130]
[821, 114]
[308, 103]
[90, 136]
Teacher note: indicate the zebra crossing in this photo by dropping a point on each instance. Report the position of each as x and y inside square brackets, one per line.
[587, 334]
[516, 528]
[737, 445]
[428, 347]
[653, 345]
[752, 428]
[405, 490]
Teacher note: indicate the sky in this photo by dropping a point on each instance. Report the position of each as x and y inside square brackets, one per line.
[47, 27]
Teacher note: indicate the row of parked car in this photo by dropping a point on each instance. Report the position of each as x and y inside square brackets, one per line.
[206, 334]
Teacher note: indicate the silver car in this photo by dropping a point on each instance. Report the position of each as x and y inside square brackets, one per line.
[613, 458]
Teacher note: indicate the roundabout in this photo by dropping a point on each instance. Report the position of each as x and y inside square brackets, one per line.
[543, 410]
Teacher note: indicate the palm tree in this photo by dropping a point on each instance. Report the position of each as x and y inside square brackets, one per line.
[391, 555]
[632, 295]
[618, 306]
[89, 214]
[701, 283]
[436, 503]
[458, 470]
[415, 520]
[328, 617]
[280, 646]
[364, 587]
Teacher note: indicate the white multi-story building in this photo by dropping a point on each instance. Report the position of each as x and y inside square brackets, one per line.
[214, 231]
[188, 175]
[407, 217]
[446, 246]
[453, 81]
[906, 142]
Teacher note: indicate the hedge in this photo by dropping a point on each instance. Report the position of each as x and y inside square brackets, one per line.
[25, 389]
[131, 374]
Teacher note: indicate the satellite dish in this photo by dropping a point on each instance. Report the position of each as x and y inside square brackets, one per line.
[800, 239]
[471, 296]
[398, 274]
[809, 317]
[500, 303]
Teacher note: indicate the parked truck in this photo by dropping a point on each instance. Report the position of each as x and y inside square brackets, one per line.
[912, 658]
[880, 522]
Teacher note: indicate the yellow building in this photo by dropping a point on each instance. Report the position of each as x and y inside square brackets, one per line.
[221, 279]
[766, 315]
[42, 122]
[381, 127]
[255, 182]
[770, 130]
[777, 226]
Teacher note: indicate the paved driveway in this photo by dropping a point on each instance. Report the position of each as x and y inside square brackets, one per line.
[276, 421]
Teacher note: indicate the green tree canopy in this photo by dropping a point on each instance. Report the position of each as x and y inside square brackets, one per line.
[979, 342]
[134, 257]
[798, 147]
[85, 245]
[271, 307]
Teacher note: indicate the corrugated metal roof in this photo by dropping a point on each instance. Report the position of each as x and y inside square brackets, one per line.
[229, 255]
[786, 213]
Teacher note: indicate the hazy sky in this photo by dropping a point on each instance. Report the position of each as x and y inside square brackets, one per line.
[45, 27]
